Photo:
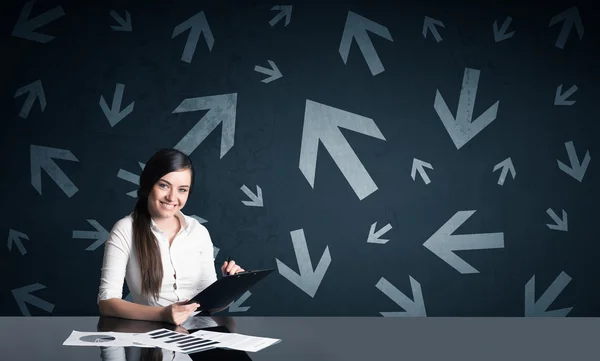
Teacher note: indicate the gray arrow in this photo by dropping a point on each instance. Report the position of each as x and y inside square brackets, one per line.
[284, 10]
[570, 17]
[114, 114]
[356, 28]
[101, 235]
[374, 236]
[257, 199]
[308, 280]
[443, 243]
[506, 165]
[273, 73]
[236, 306]
[215, 251]
[130, 177]
[462, 129]
[419, 166]
[124, 25]
[414, 308]
[34, 90]
[560, 98]
[429, 24]
[15, 236]
[23, 295]
[26, 28]
[576, 170]
[197, 25]
[538, 309]
[501, 34]
[41, 158]
[322, 123]
[560, 224]
[221, 110]
[199, 219]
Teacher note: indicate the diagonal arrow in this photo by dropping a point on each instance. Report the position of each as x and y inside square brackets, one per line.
[236, 306]
[15, 236]
[41, 158]
[443, 243]
[501, 34]
[34, 90]
[197, 25]
[560, 224]
[538, 309]
[560, 98]
[23, 295]
[130, 177]
[506, 165]
[101, 235]
[576, 170]
[429, 24]
[308, 280]
[199, 219]
[569, 17]
[322, 123]
[273, 73]
[374, 236]
[356, 28]
[284, 10]
[462, 129]
[414, 308]
[114, 114]
[419, 166]
[25, 28]
[257, 199]
[124, 25]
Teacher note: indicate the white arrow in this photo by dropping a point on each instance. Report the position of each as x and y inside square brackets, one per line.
[501, 34]
[197, 25]
[419, 166]
[308, 280]
[429, 24]
[101, 235]
[506, 165]
[462, 129]
[414, 308]
[374, 236]
[236, 306]
[284, 10]
[23, 295]
[576, 170]
[570, 17]
[15, 236]
[322, 123]
[273, 73]
[221, 110]
[124, 25]
[560, 98]
[130, 177]
[114, 114]
[356, 28]
[34, 90]
[257, 199]
[560, 224]
[443, 243]
[538, 309]
[41, 158]
[199, 219]
[25, 28]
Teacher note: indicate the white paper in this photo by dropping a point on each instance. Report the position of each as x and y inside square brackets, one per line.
[174, 341]
[105, 339]
[237, 341]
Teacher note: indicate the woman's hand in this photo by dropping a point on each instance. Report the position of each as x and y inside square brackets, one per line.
[177, 313]
[230, 268]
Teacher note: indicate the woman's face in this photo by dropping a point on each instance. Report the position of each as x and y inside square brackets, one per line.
[169, 194]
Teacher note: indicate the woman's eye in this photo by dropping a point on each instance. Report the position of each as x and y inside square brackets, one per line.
[183, 189]
[162, 185]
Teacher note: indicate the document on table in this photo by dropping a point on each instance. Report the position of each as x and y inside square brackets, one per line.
[174, 341]
[237, 341]
[78, 338]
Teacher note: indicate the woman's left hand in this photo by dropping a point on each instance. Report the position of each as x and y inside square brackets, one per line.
[230, 268]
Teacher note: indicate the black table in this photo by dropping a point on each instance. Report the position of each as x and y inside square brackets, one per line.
[328, 338]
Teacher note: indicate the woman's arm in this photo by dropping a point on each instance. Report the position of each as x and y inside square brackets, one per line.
[117, 307]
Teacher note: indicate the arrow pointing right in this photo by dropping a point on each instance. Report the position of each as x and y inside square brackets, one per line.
[124, 25]
[560, 224]
[256, 199]
[273, 73]
[284, 10]
[198, 25]
[26, 28]
[15, 236]
[41, 158]
[130, 177]
[538, 309]
[576, 170]
[101, 235]
[414, 308]
[35, 90]
[23, 295]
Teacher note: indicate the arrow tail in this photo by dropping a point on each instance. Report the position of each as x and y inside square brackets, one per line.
[468, 93]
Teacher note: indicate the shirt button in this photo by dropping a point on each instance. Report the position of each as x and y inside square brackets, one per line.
[174, 286]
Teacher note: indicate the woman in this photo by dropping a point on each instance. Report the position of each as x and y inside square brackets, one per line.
[166, 257]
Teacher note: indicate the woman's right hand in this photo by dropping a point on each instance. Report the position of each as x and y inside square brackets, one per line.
[177, 313]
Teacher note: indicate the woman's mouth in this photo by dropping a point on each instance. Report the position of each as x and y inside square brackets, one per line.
[168, 205]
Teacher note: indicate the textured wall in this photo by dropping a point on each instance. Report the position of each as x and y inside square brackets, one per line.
[415, 159]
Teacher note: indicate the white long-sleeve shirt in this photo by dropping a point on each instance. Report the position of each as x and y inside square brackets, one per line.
[190, 259]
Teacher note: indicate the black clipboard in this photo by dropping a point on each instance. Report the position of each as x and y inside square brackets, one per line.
[227, 289]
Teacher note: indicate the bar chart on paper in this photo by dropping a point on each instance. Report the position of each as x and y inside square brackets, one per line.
[175, 341]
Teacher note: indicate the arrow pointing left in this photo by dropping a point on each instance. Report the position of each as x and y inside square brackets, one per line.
[23, 295]
[25, 28]
[101, 235]
[41, 158]
[15, 236]
[35, 90]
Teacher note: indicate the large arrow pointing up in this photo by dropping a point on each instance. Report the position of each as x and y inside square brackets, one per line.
[26, 28]
[41, 158]
[321, 123]
[197, 25]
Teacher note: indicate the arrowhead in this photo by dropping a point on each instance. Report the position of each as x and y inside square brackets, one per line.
[23, 295]
[24, 28]
[15, 236]
[539, 308]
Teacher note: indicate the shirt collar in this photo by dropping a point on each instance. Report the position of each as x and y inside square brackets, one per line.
[182, 221]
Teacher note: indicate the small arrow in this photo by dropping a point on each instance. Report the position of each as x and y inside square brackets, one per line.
[34, 90]
[501, 34]
[443, 243]
[560, 224]
[101, 235]
[538, 309]
[41, 158]
[15, 236]
[560, 98]
[374, 236]
[506, 165]
[124, 25]
[235, 306]
[114, 114]
[284, 10]
[25, 28]
[257, 199]
[199, 219]
[570, 17]
[356, 28]
[576, 170]
[419, 166]
[273, 73]
[308, 280]
[429, 24]
[215, 251]
[23, 295]
[130, 177]
[198, 25]
[414, 308]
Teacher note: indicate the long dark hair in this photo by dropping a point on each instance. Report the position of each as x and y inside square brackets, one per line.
[148, 253]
